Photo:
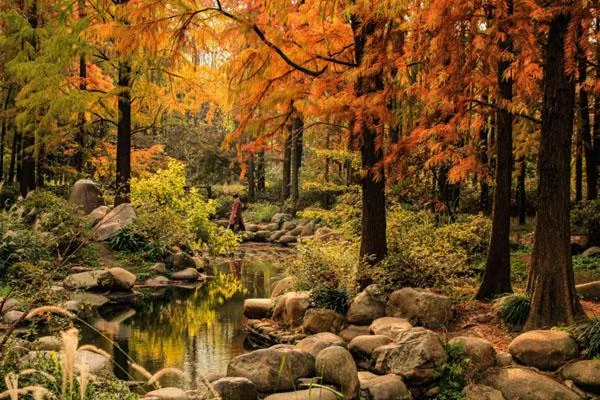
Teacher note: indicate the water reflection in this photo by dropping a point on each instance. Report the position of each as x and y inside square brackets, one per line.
[198, 330]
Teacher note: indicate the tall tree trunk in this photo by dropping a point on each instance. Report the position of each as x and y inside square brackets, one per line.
[251, 179]
[123, 174]
[496, 279]
[484, 193]
[13, 157]
[521, 195]
[578, 167]
[39, 166]
[296, 160]
[3, 131]
[260, 172]
[327, 158]
[287, 155]
[80, 156]
[551, 285]
[591, 171]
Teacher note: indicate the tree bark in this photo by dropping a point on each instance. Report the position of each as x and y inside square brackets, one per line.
[578, 167]
[521, 195]
[3, 130]
[484, 194]
[123, 174]
[260, 172]
[551, 284]
[251, 179]
[13, 157]
[287, 155]
[80, 156]
[296, 160]
[591, 162]
[496, 279]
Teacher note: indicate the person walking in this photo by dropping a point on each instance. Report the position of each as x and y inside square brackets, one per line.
[235, 218]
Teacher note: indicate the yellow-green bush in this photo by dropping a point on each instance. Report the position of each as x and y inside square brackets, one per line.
[167, 211]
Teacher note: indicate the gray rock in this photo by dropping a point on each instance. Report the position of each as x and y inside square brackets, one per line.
[526, 384]
[288, 226]
[168, 393]
[83, 280]
[9, 304]
[307, 230]
[480, 352]
[275, 236]
[274, 369]
[481, 392]
[383, 387]
[86, 196]
[362, 348]
[97, 214]
[252, 227]
[314, 393]
[290, 308]
[272, 227]
[158, 280]
[262, 236]
[504, 359]
[118, 218]
[315, 343]
[235, 388]
[187, 274]
[367, 306]
[48, 343]
[287, 239]
[420, 307]
[116, 279]
[296, 231]
[284, 285]
[10, 317]
[389, 326]
[417, 355]
[585, 374]
[280, 218]
[85, 299]
[160, 268]
[336, 366]
[352, 331]
[258, 308]
[182, 260]
[318, 320]
[93, 362]
[543, 349]
[590, 290]
[593, 251]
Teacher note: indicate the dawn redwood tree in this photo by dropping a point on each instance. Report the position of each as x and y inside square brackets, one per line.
[123, 172]
[551, 283]
[496, 279]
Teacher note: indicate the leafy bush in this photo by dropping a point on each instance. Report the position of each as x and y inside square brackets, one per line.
[172, 213]
[345, 216]
[223, 206]
[32, 282]
[261, 212]
[423, 254]
[587, 334]
[327, 265]
[127, 240]
[585, 218]
[331, 298]
[453, 377]
[514, 310]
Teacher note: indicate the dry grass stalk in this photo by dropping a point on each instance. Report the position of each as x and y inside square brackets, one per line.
[70, 340]
[165, 371]
[94, 349]
[48, 310]
[143, 371]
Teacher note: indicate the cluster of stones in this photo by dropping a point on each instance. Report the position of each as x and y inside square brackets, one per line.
[384, 348]
[285, 230]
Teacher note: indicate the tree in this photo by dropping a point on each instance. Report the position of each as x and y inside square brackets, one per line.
[551, 284]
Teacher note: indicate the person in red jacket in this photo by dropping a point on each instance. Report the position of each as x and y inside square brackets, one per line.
[235, 218]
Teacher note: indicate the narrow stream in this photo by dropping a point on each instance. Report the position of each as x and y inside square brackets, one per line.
[195, 329]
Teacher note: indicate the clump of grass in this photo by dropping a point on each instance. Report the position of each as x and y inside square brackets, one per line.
[332, 298]
[587, 334]
[515, 310]
[453, 377]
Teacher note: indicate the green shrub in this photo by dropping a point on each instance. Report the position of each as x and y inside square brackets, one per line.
[587, 334]
[329, 265]
[223, 206]
[32, 282]
[585, 218]
[127, 240]
[345, 216]
[515, 310]
[261, 212]
[331, 298]
[453, 377]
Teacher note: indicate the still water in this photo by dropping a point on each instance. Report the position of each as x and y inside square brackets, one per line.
[195, 329]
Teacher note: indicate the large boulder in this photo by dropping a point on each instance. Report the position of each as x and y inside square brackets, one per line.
[593, 251]
[288, 226]
[258, 308]
[590, 290]
[93, 363]
[307, 230]
[118, 218]
[97, 214]
[585, 374]
[417, 355]
[48, 343]
[284, 285]
[275, 236]
[367, 306]
[8, 304]
[83, 280]
[287, 239]
[167, 393]
[290, 309]
[526, 384]
[383, 387]
[336, 366]
[86, 196]
[480, 352]
[182, 260]
[389, 326]
[481, 392]
[280, 218]
[187, 274]
[420, 307]
[543, 349]
[315, 393]
[116, 279]
[318, 320]
[235, 388]
[362, 347]
[11, 317]
[313, 344]
[273, 369]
